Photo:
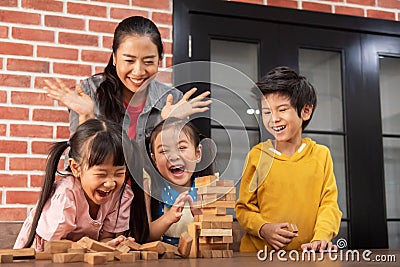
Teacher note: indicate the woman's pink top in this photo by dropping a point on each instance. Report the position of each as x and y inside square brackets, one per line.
[66, 215]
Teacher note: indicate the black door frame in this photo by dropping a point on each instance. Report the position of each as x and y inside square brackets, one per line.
[365, 185]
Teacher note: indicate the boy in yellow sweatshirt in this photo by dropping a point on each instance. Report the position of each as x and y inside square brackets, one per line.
[289, 179]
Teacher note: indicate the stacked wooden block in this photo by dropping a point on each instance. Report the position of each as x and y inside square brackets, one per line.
[212, 231]
[95, 252]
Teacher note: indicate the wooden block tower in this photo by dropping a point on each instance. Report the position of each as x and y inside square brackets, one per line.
[212, 231]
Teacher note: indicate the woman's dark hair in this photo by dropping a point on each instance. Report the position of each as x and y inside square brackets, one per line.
[195, 136]
[109, 92]
[94, 142]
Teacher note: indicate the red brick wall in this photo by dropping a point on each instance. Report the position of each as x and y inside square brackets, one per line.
[42, 39]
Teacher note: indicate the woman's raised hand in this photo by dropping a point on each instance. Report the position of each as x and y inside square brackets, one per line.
[186, 107]
[75, 100]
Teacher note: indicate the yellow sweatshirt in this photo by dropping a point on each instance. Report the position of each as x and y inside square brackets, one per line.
[300, 189]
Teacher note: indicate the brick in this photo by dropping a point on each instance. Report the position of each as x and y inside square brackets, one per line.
[259, 2]
[39, 83]
[14, 80]
[13, 180]
[3, 32]
[87, 10]
[64, 22]
[95, 56]
[2, 164]
[362, 2]
[3, 96]
[13, 214]
[27, 130]
[317, 7]
[27, 164]
[14, 113]
[102, 26]
[33, 35]
[50, 115]
[31, 98]
[57, 52]
[165, 33]
[167, 47]
[352, 11]
[62, 132]
[1, 63]
[47, 5]
[379, 14]
[28, 65]
[164, 18]
[168, 62]
[123, 2]
[39, 147]
[3, 129]
[72, 69]
[11, 146]
[9, 3]
[11, 48]
[36, 180]
[160, 4]
[77, 39]
[393, 4]
[121, 13]
[99, 69]
[107, 42]
[21, 197]
[283, 3]
[19, 17]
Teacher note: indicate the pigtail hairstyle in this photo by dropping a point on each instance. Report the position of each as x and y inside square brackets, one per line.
[109, 92]
[195, 136]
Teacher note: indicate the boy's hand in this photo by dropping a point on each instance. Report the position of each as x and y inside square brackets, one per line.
[319, 245]
[276, 236]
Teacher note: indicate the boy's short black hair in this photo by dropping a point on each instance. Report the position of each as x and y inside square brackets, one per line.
[287, 82]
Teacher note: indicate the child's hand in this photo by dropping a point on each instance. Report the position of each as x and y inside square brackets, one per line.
[174, 214]
[277, 237]
[194, 209]
[319, 245]
[118, 240]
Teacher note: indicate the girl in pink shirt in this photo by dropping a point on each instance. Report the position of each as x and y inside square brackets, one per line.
[93, 199]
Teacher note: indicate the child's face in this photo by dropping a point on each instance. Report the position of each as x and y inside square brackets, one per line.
[99, 182]
[280, 118]
[175, 156]
[136, 60]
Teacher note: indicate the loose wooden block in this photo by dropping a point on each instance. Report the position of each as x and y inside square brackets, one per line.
[136, 254]
[95, 258]
[213, 218]
[127, 257]
[57, 246]
[109, 255]
[148, 255]
[168, 255]
[229, 204]
[123, 248]
[216, 253]
[170, 248]
[204, 180]
[206, 254]
[133, 245]
[216, 190]
[293, 228]
[193, 231]
[86, 242]
[68, 257]
[6, 258]
[185, 244]
[43, 256]
[216, 232]
[76, 250]
[227, 253]
[22, 253]
[156, 246]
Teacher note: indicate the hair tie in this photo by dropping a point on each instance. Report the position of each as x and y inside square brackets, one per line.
[68, 144]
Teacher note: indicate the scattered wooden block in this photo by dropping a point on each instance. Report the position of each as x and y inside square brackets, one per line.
[95, 258]
[185, 244]
[193, 231]
[216, 232]
[109, 255]
[156, 246]
[227, 253]
[86, 242]
[76, 250]
[136, 254]
[57, 246]
[123, 248]
[68, 257]
[127, 257]
[22, 253]
[133, 245]
[170, 248]
[168, 255]
[293, 228]
[148, 255]
[43, 256]
[216, 253]
[6, 258]
[206, 254]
